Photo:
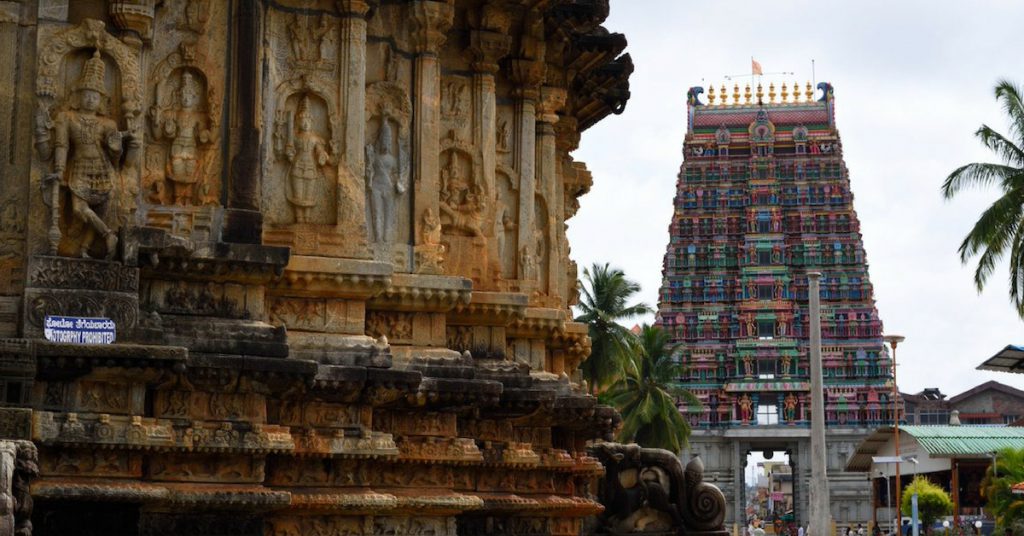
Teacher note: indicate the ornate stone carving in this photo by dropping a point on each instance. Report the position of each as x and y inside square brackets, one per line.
[18, 467]
[308, 42]
[306, 141]
[430, 23]
[308, 153]
[394, 326]
[387, 158]
[462, 198]
[183, 120]
[646, 491]
[195, 16]
[85, 149]
[454, 99]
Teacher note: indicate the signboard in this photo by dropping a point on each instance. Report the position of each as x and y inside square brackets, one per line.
[79, 330]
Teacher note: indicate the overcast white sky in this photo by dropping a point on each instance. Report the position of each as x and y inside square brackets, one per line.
[913, 80]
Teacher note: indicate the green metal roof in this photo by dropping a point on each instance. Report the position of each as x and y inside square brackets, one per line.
[966, 440]
[942, 442]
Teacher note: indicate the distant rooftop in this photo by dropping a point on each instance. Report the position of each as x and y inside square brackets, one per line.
[942, 442]
[1009, 359]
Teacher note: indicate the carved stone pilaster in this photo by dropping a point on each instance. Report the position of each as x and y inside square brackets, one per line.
[552, 100]
[430, 22]
[133, 16]
[353, 99]
[527, 75]
[487, 49]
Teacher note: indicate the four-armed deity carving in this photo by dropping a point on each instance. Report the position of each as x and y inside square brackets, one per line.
[188, 129]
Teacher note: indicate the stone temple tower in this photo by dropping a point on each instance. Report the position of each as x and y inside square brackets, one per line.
[763, 197]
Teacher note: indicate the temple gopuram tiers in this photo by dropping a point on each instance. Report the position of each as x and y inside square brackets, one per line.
[763, 197]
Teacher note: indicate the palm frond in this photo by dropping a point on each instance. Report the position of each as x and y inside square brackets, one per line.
[975, 175]
[1010, 96]
[1001, 145]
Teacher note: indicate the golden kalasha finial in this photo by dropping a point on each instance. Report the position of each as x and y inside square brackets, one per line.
[735, 93]
[711, 95]
[796, 91]
[785, 92]
[809, 93]
[760, 93]
[771, 92]
[746, 94]
[723, 96]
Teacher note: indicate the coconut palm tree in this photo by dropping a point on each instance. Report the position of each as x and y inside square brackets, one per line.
[1000, 229]
[606, 294]
[1007, 507]
[647, 394]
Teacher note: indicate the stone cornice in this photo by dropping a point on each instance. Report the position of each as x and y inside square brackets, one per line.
[420, 292]
[329, 277]
[539, 322]
[490, 308]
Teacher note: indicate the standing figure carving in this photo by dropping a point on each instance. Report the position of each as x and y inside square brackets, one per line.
[503, 224]
[87, 146]
[308, 152]
[386, 176]
[188, 128]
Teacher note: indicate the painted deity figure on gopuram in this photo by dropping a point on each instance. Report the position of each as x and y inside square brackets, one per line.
[307, 152]
[87, 147]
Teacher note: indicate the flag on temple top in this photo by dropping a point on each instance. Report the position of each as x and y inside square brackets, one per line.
[755, 67]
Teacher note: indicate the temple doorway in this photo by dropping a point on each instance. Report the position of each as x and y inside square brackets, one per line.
[770, 490]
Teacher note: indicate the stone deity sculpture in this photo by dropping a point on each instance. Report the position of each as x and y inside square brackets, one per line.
[87, 147]
[502, 223]
[385, 182]
[307, 152]
[462, 202]
[187, 128]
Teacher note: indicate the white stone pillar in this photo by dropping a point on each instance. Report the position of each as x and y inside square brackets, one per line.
[820, 516]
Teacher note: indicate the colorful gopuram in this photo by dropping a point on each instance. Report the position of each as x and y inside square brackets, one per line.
[763, 197]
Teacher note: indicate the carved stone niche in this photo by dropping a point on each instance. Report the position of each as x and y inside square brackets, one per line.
[80, 287]
[310, 204]
[181, 175]
[88, 136]
[465, 203]
[506, 225]
[388, 167]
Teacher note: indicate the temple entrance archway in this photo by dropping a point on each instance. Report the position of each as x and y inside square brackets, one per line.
[769, 486]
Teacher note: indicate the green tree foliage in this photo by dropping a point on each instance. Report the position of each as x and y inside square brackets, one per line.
[606, 296]
[1007, 508]
[646, 394]
[932, 501]
[1000, 228]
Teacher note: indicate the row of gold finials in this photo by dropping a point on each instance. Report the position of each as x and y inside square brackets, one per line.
[797, 96]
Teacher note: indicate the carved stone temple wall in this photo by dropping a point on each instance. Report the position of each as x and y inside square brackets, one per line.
[331, 235]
